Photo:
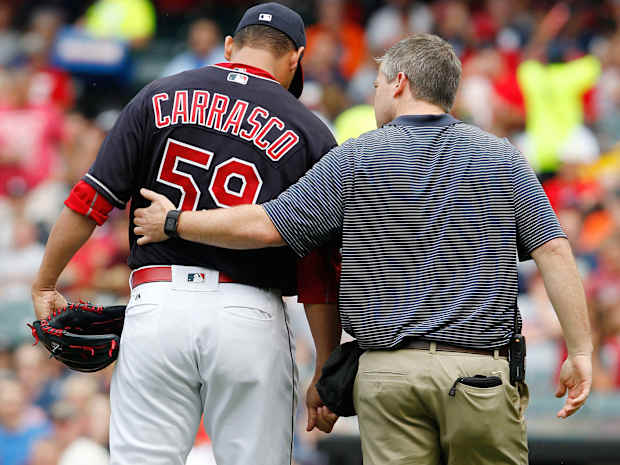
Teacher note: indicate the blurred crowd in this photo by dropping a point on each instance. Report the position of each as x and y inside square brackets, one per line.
[544, 74]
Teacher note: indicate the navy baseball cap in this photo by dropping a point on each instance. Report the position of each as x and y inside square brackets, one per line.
[284, 20]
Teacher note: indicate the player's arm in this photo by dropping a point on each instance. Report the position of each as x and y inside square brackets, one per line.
[324, 322]
[84, 209]
[317, 286]
[107, 184]
[69, 233]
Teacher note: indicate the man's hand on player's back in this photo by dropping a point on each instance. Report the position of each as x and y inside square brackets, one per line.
[150, 221]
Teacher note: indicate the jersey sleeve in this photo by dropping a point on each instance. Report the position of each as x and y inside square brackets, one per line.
[115, 169]
[86, 201]
[536, 221]
[310, 212]
[318, 276]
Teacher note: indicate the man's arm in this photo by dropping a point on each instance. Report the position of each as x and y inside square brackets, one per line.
[69, 233]
[242, 227]
[306, 215]
[563, 284]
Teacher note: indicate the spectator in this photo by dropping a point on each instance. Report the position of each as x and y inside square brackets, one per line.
[12, 208]
[454, 25]
[9, 39]
[20, 261]
[569, 187]
[542, 330]
[205, 48]
[31, 369]
[608, 95]
[129, 20]
[29, 135]
[21, 425]
[78, 148]
[344, 36]
[69, 429]
[553, 97]
[97, 419]
[360, 88]
[45, 452]
[491, 21]
[354, 122]
[78, 390]
[478, 98]
[604, 297]
[601, 224]
[395, 20]
[322, 65]
[48, 85]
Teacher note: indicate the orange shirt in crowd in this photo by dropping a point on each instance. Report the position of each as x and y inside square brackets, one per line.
[353, 43]
[597, 227]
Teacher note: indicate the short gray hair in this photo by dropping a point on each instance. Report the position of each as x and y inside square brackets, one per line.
[430, 64]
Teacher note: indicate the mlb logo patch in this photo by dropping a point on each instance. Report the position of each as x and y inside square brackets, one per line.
[237, 78]
[264, 17]
[195, 277]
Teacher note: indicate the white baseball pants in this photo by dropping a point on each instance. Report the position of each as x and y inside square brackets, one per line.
[195, 345]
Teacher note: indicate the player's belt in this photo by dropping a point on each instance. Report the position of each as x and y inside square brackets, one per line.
[162, 274]
[426, 345]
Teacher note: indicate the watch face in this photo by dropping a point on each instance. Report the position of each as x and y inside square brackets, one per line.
[170, 226]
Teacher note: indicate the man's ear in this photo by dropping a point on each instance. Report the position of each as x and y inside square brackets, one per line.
[296, 56]
[400, 84]
[228, 47]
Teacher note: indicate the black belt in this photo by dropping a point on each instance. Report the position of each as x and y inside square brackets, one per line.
[441, 347]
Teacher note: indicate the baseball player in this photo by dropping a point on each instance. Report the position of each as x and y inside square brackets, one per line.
[205, 328]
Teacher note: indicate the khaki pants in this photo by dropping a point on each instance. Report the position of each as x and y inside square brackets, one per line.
[407, 416]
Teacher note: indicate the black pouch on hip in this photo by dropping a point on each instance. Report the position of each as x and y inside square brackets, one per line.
[335, 386]
[516, 359]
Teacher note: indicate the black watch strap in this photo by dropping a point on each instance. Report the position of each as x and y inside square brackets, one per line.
[172, 222]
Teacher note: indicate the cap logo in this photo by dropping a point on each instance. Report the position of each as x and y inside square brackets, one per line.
[264, 17]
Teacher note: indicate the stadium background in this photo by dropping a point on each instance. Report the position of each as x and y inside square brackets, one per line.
[545, 75]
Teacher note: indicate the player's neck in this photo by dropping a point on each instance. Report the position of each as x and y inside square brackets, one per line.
[258, 58]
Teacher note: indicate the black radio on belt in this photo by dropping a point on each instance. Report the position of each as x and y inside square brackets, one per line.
[516, 358]
[516, 353]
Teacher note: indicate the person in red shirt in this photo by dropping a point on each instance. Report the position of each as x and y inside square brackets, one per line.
[29, 136]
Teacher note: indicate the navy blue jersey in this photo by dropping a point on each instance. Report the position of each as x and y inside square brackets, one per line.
[218, 136]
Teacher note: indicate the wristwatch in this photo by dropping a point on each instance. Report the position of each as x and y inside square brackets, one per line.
[171, 224]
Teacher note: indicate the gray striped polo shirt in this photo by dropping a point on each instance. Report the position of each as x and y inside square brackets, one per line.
[432, 214]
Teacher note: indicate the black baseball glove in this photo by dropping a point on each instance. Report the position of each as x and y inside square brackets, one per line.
[83, 336]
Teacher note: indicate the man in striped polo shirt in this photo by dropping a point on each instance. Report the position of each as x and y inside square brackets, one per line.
[432, 214]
